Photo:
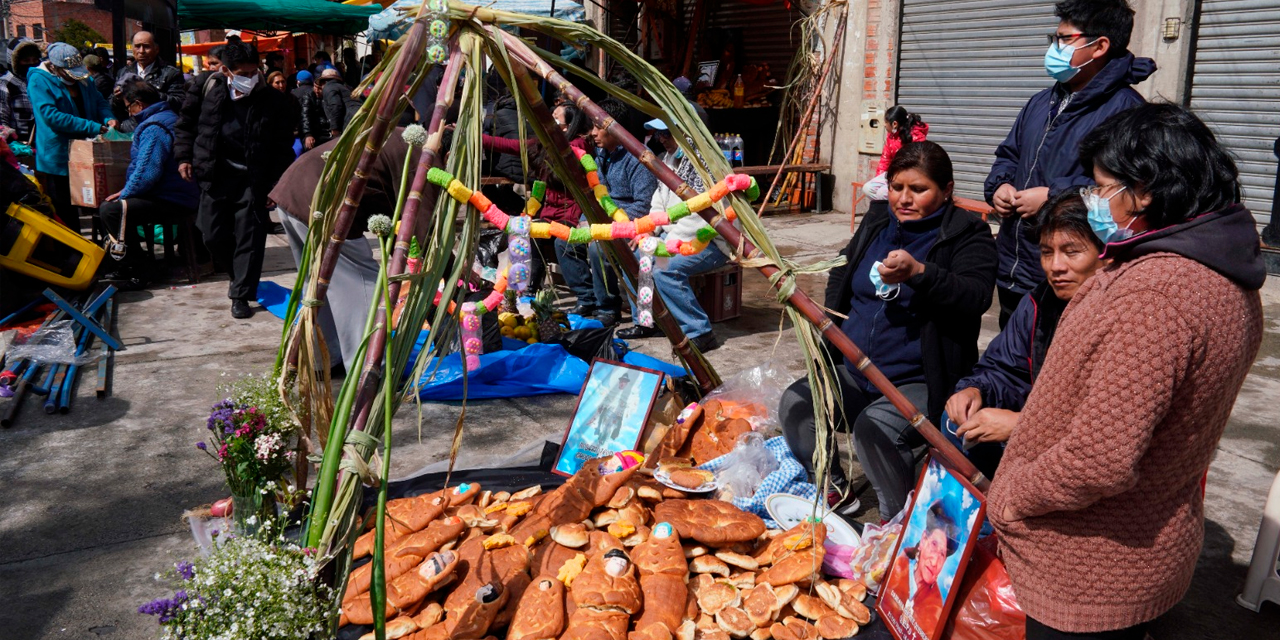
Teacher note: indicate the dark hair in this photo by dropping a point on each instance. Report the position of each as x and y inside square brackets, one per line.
[927, 157]
[905, 120]
[617, 110]
[1098, 18]
[216, 52]
[576, 124]
[235, 54]
[141, 91]
[274, 56]
[1167, 152]
[1065, 213]
[322, 55]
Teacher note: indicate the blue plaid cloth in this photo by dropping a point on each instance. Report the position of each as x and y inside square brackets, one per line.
[789, 477]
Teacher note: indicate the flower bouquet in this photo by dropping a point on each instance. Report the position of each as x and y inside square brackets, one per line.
[253, 439]
[245, 588]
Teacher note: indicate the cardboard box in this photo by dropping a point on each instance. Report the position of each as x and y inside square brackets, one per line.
[97, 169]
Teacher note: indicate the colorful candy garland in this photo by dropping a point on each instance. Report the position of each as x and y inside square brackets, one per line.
[619, 229]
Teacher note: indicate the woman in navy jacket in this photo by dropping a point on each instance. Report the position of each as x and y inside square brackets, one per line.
[917, 318]
[985, 407]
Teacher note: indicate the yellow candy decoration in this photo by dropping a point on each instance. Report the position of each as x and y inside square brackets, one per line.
[602, 232]
[540, 230]
[459, 191]
[600, 191]
[696, 203]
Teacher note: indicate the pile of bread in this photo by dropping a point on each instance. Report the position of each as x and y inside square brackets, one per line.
[610, 555]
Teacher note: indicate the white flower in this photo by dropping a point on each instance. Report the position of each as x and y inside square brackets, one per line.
[415, 135]
[380, 225]
[319, 215]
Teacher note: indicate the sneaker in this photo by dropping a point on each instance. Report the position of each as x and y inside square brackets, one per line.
[240, 310]
[844, 506]
[638, 331]
[706, 342]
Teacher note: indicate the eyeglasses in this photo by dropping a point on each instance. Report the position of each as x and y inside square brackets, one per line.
[1061, 39]
[1097, 190]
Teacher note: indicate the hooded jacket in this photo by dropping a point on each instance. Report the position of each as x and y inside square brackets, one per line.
[1041, 151]
[59, 118]
[1103, 470]
[952, 294]
[893, 144]
[153, 171]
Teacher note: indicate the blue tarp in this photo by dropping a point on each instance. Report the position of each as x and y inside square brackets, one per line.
[519, 370]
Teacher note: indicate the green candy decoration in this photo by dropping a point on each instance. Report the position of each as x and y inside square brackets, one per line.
[705, 234]
[439, 177]
[608, 204]
[540, 190]
[439, 28]
[415, 251]
[579, 235]
[588, 164]
[753, 191]
[678, 210]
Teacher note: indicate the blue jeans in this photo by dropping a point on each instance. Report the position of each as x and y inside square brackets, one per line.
[576, 272]
[672, 282]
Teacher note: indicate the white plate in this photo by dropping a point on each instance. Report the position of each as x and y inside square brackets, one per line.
[789, 511]
[662, 476]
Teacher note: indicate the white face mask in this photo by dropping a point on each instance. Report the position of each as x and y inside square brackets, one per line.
[241, 86]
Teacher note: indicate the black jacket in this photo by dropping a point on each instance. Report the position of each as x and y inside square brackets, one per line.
[956, 289]
[312, 119]
[339, 106]
[506, 124]
[167, 79]
[268, 132]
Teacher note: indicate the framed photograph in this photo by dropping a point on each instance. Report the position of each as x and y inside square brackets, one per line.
[707, 72]
[612, 411]
[928, 564]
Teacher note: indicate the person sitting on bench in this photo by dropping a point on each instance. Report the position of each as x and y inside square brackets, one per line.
[672, 279]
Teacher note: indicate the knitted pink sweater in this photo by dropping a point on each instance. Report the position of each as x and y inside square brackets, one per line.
[1097, 500]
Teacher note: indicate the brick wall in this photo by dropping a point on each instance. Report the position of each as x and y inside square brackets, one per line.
[51, 15]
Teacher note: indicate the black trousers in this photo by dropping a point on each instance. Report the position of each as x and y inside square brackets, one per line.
[141, 211]
[1009, 300]
[58, 188]
[1038, 631]
[234, 222]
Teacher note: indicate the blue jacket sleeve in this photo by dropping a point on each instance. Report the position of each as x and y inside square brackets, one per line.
[643, 184]
[1003, 374]
[1008, 155]
[40, 86]
[1122, 101]
[151, 147]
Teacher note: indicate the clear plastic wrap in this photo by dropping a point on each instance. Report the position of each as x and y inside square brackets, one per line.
[871, 560]
[750, 463]
[54, 344]
[762, 386]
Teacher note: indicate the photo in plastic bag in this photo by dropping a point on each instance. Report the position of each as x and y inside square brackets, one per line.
[612, 410]
[934, 548]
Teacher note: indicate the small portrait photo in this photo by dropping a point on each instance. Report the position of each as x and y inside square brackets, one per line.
[613, 409]
[944, 520]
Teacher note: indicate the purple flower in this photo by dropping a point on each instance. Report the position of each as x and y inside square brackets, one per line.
[202, 446]
[166, 608]
[186, 570]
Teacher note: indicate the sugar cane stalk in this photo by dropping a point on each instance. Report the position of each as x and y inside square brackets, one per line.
[703, 374]
[807, 307]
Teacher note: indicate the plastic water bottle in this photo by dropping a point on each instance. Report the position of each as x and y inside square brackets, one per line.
[722, 139]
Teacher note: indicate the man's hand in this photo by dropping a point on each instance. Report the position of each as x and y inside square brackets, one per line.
[113, 197]
[1028, 201]
[962, 405]
[989, 425]
[309, 142]
[186, 172]
[898, 267]
[111, 124]
[1003, 198]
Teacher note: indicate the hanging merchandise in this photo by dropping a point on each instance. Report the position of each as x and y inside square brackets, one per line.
[518, 252]
[472, 346]
[644, 288]
[437, 30]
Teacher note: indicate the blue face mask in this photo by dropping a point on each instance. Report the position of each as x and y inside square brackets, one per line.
[883, 291]
[1100, 220]
[1057, 62]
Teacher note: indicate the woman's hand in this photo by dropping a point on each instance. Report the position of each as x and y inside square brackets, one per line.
[989, 425]
[898, 267]
[964, 404]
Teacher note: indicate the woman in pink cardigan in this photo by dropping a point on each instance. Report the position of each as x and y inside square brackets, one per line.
[1097, 500]
[901, 127]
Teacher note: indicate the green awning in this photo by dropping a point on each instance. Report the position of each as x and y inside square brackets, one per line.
[308, 16]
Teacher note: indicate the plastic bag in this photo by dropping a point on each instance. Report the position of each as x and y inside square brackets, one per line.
[55, 343]
[871, 560]
[749, 464]
[986, 607]
[762, 386]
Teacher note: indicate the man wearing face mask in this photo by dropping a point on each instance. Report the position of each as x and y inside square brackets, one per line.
[1088, 56]
[236, 142]
[67, 107]
[15, 106]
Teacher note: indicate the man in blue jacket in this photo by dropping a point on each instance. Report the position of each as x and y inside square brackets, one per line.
[1089, 57]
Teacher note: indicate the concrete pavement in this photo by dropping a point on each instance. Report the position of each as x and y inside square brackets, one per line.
[92, 502]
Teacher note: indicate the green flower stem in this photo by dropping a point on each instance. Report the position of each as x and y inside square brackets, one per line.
[379, 587]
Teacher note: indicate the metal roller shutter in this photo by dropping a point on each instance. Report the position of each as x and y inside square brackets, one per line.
[1235, 88]
[967, 67]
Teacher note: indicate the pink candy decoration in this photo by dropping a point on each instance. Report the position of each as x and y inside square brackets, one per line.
[673, 246]
[492, 300]
[473, 345]
[471, 322]
[737, 181]
[660, 218]
[496, 217]
[624, 230]
[473, 363]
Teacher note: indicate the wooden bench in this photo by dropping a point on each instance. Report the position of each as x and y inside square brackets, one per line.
[767, 171]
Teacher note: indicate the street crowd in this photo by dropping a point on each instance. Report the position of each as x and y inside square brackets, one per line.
[1125, 268]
